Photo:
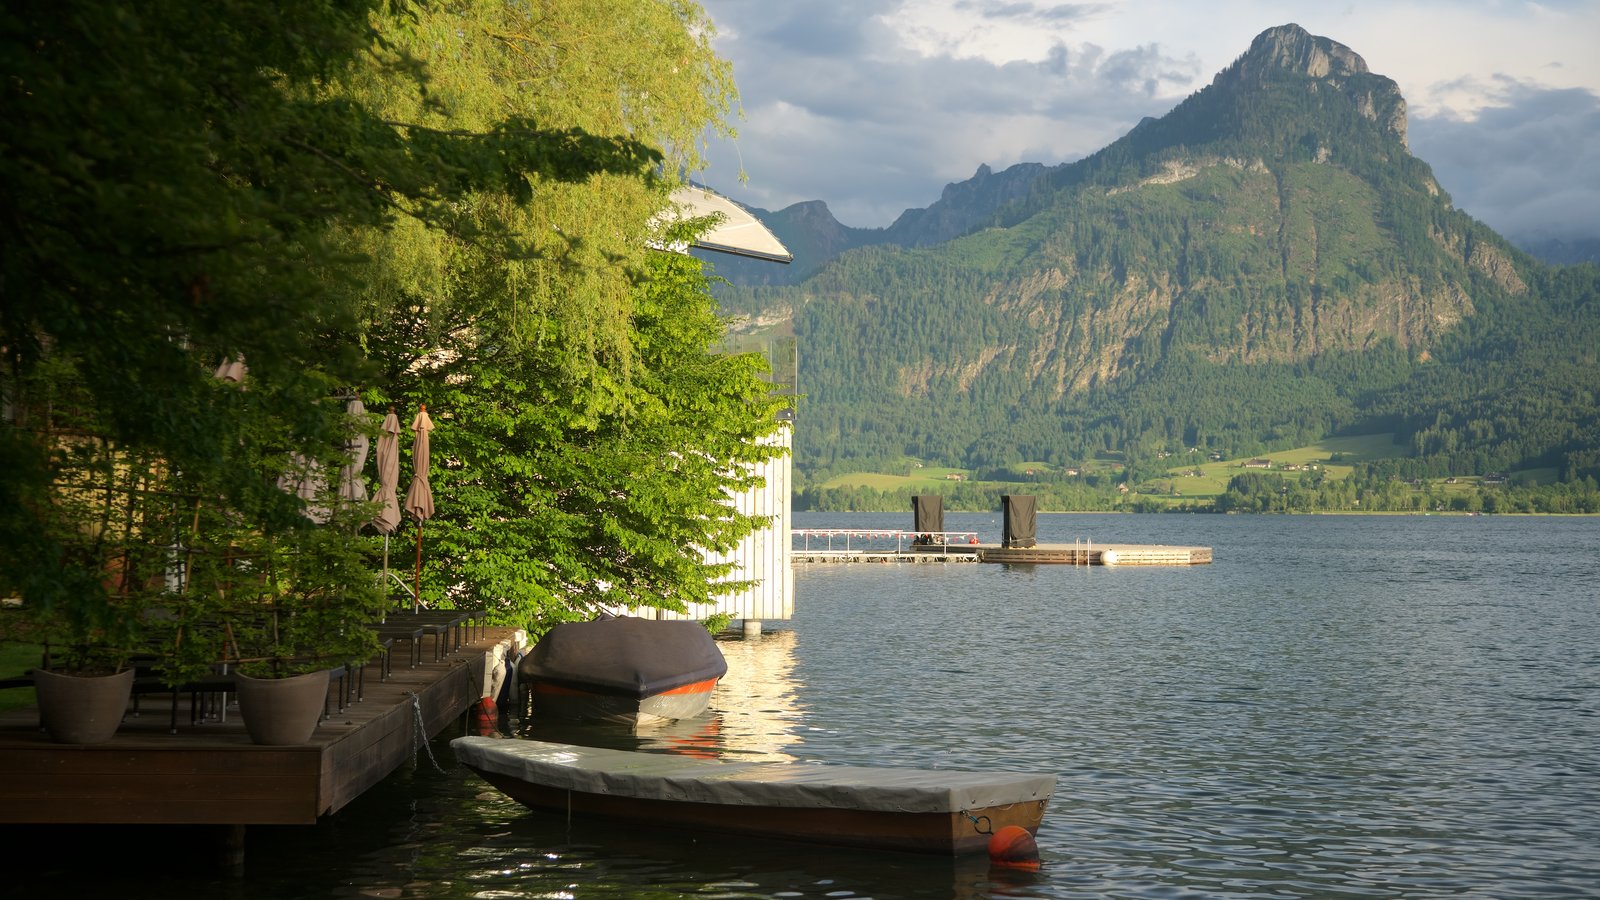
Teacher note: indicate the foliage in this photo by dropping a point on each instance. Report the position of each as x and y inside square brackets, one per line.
[549, 511]
[338, 194]
[276, 604]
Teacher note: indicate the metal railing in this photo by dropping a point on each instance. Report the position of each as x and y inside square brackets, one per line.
[862, 540]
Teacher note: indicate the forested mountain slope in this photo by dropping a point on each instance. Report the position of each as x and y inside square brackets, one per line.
[1264, 265]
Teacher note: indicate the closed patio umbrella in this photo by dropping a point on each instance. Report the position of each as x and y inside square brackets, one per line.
[388, 518]
[419, 498]
[352, 486]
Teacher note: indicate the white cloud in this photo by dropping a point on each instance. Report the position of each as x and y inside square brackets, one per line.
[874, 105]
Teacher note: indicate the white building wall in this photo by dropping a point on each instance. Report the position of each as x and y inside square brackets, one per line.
[765, 556]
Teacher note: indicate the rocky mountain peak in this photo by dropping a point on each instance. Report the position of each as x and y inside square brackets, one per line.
[1293, 51]
[1292, 47]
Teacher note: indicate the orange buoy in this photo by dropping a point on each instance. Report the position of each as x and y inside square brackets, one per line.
[485, 717]
[1012, 847]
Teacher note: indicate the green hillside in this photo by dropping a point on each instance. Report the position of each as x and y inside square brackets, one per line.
[1264, 268]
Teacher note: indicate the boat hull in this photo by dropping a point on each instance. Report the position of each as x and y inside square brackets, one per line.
[945, 834]
[573, 704]
[949, 813]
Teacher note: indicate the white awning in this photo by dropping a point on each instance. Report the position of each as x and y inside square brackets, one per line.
[739, 232]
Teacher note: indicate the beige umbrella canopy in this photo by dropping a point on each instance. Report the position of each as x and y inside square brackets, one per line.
[388, 518]
[419, 498]
[352, 486]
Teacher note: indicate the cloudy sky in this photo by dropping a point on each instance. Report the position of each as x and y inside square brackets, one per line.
[874, 105]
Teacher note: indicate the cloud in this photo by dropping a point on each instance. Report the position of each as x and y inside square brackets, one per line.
[1527, 164]
[875, 105]
[885, 127]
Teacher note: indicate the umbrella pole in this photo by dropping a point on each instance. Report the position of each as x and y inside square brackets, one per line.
[385, 578]
[416, 592]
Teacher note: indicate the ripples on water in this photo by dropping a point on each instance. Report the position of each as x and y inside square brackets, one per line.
[1363, 707]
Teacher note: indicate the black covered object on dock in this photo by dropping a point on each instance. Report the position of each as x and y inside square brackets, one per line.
[624, 656]
[1020, 522]
[927, 513]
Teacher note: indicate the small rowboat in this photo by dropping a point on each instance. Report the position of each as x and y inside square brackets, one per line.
[923, 810]
[622, 669]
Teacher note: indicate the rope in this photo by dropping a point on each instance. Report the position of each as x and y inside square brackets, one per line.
[422, 730]
[987, 826]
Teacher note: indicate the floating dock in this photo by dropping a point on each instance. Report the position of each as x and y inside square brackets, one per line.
[1042, 554]
[1097, 555]
[212, 774]
[844, 545]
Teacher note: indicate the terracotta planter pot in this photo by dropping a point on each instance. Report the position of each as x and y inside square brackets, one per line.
[280, 711]
[82, 709]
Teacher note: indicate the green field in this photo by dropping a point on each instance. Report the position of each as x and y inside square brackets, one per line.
[1215, 474]
[15, 660]
[1194, 481]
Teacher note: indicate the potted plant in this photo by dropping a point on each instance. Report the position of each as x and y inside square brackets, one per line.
[97, 564]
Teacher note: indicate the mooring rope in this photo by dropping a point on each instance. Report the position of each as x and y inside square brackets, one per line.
[986, 828]
[422, 730]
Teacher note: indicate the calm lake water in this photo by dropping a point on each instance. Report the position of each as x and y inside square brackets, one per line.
[1338, 706]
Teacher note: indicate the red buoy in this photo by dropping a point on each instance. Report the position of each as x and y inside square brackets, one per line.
[485, 717]
[1012, 847]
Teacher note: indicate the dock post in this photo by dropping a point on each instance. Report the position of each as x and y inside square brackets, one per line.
[231, 848]
[752, 628]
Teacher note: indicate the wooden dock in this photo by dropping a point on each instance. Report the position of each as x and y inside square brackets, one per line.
[1043, 554]
[212, 774]
[1097, 555]
[964, 554]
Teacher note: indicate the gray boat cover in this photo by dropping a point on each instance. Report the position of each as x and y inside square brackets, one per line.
[661, 776]
[624, 656]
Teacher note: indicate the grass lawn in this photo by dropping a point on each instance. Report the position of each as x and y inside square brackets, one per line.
[1214, 475]
[15, 659]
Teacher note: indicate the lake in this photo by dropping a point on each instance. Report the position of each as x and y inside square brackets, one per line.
[1338, 706]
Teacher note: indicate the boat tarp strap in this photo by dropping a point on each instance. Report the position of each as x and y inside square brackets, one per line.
[625, 656]
[663, 776]
[1020, 521]
[927, 513]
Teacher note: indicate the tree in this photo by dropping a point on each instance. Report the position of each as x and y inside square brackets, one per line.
[182, 184]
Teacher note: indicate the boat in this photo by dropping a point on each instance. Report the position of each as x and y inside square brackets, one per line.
[937, 811]
[623, 669]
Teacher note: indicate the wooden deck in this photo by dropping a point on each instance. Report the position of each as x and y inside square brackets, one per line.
[212, 774]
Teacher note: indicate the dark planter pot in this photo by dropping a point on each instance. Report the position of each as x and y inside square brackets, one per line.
[82, 709]
[282, 711]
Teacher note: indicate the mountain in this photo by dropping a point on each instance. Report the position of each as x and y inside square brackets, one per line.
[1265, 265]
[810, 232]
[1558, 252]
[815, 237]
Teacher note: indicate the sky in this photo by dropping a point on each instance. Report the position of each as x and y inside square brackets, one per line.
[873, 106]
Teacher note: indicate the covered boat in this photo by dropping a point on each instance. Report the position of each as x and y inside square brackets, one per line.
[937, 811]
[623, 669]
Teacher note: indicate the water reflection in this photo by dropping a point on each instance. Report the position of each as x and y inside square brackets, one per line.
[754, 712]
